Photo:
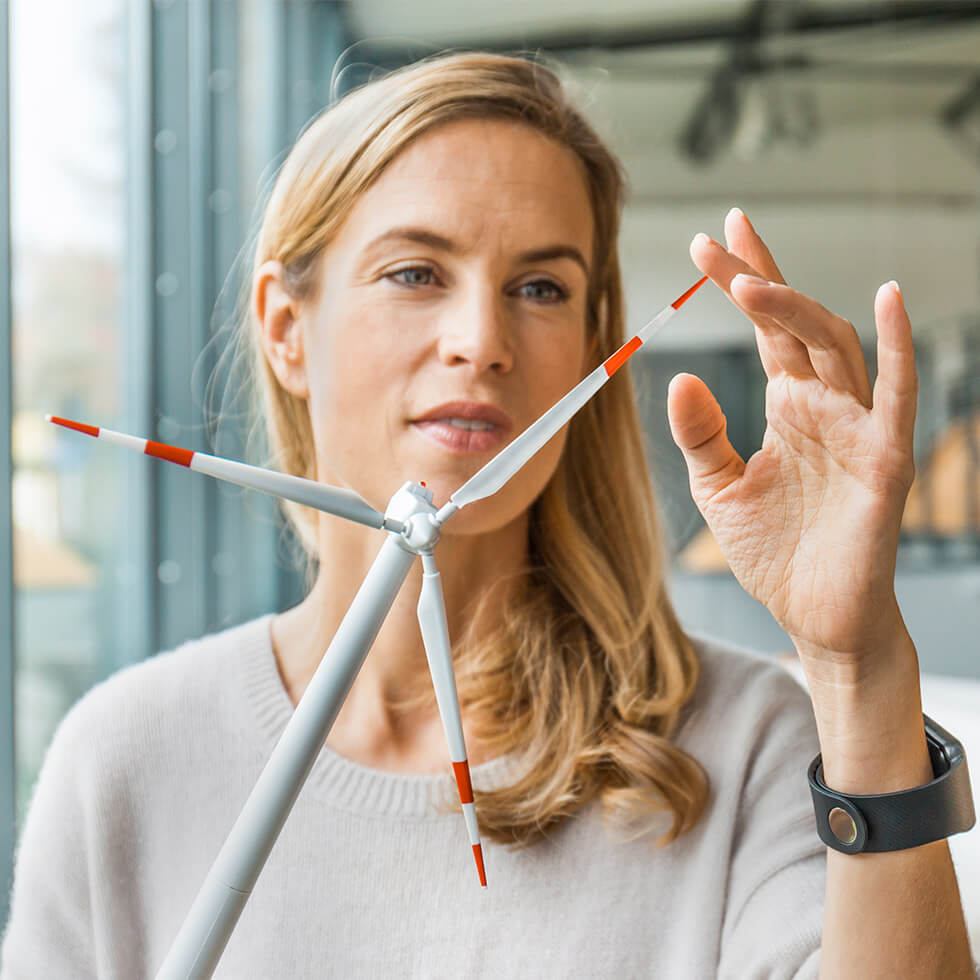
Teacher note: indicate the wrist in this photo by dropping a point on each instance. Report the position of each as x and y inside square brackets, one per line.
[859, 655]
[886, 765]
[868, 712]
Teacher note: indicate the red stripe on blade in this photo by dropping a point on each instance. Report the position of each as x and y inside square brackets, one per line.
[89, 430]
[614, 363]
[172, 453]
[480, 870]
[683, 298]
[462, 771]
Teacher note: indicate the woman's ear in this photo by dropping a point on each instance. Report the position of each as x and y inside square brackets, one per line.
[278, 316]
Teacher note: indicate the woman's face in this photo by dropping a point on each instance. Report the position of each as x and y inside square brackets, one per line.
[450, 314]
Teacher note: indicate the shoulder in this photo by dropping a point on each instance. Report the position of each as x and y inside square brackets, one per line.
[171, 688]
[116, 750]
[748, 712]
[751, 725]
[728, 668]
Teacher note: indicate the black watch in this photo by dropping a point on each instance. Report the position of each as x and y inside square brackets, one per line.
[895, 821]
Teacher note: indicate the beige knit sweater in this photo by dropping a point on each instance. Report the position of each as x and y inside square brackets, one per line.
[149, 770]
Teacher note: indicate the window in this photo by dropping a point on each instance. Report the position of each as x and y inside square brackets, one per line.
[140, 135]
[68, 194]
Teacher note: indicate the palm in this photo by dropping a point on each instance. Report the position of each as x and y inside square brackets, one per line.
[809, 524]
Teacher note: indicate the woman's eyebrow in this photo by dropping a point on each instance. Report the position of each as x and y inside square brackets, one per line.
[424, 237]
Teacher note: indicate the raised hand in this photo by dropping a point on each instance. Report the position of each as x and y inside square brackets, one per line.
[810, 523]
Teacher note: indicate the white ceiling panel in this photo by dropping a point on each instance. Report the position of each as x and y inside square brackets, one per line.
[445, 21]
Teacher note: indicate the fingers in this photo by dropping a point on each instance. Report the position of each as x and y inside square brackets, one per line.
[795, 334]
[780, 352]
[744, 242]
[897, 386]
[698, 426]
[831, 342]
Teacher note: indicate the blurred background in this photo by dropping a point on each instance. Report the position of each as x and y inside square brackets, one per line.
[141, 134]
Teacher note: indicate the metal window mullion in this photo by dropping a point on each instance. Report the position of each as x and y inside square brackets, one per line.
[332, 36]
[272, 583]
[300, 44]
[300, 88]
[310, 37]
[247, 558]
[134, 607]
[201, 283]
[297, 97]
[274, 87]
[236, 534]
[181, 496]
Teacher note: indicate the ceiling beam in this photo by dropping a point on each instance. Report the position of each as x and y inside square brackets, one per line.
[804, 20]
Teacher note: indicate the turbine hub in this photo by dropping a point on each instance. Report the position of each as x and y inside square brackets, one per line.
[412, 507]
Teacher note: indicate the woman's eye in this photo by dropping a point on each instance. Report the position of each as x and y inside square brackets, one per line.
[414, 275]
[540, 290]
[545, 291]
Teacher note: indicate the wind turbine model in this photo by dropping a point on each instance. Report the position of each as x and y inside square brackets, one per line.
[413, 525]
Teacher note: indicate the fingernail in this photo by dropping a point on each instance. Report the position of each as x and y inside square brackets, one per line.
[701, 239]
[889, 287]
[735, 212]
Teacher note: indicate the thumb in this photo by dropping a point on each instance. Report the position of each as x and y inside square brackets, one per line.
[698, 426]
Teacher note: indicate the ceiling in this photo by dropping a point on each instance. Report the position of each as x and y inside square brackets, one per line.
[440, 22]
[826, 131]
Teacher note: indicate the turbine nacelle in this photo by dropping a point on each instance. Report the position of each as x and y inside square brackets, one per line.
[411, 507]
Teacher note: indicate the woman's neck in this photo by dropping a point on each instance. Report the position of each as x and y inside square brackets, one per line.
[367, 729]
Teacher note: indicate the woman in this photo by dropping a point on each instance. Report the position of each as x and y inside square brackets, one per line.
[436, 267]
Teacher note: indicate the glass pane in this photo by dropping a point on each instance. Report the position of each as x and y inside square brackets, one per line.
[67, 145]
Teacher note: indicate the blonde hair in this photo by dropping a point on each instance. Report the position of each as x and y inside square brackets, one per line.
[584, 670]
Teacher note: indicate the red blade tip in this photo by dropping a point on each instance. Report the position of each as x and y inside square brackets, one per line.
[89, 430]
[684, 297]
[480, 870]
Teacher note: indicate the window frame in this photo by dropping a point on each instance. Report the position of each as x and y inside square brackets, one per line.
[182, 75]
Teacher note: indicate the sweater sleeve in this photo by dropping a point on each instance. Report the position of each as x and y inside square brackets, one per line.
[49, 932]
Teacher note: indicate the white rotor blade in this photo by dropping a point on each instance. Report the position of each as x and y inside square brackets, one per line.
[332, 500]
[435, 638]
[511, 458]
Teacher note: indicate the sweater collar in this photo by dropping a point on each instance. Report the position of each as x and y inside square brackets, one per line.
[337, 780]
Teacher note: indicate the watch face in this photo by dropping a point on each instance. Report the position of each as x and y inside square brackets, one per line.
[945, 751]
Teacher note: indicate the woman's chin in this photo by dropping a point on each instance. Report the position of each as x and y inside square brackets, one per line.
[477, 519]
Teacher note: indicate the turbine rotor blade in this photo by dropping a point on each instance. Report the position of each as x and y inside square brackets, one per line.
[511, 458]
[435, 638]
[333, 500]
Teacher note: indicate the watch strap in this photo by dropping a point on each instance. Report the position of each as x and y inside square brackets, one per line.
[879, 822]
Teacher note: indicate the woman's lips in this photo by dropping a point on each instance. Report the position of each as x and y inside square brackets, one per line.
[462, 440]
[480, 427]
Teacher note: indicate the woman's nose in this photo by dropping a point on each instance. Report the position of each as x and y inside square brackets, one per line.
[477, 332]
